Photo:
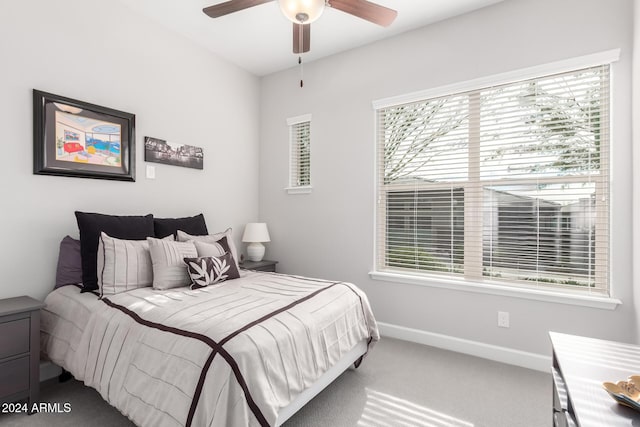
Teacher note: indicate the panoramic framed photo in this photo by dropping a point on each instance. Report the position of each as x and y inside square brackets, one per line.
[78, 139]
[160, 151]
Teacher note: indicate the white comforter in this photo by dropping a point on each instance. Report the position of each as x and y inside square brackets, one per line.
[226, 355]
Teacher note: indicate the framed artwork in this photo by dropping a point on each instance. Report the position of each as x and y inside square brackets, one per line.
[78, 139]
[160, 151]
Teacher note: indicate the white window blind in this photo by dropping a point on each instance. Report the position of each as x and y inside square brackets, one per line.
[507, 183]
[300, 151]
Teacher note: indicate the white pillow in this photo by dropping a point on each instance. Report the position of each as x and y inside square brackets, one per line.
[210, 249]
[167, 258]
[123, 265]
[212, 238]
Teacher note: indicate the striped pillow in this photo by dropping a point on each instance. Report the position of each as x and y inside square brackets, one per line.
[123, 265]
[167, 259]
[218, 248]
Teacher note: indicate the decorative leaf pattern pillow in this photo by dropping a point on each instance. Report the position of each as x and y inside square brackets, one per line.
[212, 238]
[209, 270]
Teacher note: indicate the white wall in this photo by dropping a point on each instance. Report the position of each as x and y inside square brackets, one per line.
[104, 53]
[636, 156]
[330, 232]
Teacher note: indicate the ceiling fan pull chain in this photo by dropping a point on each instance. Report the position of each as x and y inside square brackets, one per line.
[301, 45]
[301, 71]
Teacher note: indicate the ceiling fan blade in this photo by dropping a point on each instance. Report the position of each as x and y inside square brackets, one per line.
[366, 10]
[301, 38]
[231, 6]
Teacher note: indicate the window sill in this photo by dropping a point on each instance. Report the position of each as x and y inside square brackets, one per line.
[601, 302]
[299, 190]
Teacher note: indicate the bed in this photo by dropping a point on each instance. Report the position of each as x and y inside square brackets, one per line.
[248, 352]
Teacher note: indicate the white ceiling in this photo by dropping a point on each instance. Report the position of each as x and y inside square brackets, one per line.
[259, 39]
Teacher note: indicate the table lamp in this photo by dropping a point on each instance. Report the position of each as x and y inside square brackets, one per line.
[255, 233]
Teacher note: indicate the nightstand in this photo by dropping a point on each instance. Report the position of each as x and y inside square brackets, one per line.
[20, 349]
[264, 265]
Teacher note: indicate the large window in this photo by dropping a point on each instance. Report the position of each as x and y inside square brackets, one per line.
[508, 183]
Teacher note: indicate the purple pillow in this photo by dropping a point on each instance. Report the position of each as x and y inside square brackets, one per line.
[69, 270]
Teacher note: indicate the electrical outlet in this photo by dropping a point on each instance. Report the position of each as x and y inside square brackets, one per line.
[503, 319]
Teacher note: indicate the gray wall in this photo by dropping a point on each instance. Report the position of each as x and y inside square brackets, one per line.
[104, 53]
[329, 233]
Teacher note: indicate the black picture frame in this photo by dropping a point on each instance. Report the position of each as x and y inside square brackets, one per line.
[77, 139]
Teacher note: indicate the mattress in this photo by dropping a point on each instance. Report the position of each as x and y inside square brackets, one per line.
[233, 354]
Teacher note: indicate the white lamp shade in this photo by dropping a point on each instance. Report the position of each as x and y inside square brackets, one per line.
[302, 11]
[256, 232]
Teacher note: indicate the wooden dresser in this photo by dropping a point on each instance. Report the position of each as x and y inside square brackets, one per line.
[580, 366]
[20, 349]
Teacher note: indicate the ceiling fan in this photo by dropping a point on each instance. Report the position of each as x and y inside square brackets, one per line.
[303, 12]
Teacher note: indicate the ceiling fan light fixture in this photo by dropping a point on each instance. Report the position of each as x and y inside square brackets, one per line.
[302, 11]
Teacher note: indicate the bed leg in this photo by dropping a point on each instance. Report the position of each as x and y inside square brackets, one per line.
[64, 376]
[357, 363]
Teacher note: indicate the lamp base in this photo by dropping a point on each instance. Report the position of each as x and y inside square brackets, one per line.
[255, 251]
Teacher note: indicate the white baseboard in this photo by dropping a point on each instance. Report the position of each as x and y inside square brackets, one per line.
[510, 356]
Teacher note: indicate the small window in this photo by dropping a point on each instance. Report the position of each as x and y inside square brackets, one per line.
[300, 154]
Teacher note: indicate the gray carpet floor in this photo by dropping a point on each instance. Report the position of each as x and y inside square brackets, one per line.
[398, 384]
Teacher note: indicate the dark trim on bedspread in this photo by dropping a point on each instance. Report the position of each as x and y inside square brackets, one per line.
[217, 348]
